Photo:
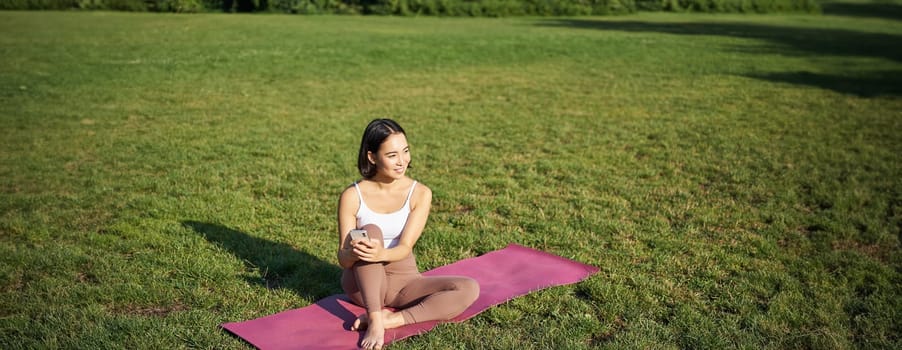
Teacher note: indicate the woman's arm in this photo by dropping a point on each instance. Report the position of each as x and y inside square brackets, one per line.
[347, 220]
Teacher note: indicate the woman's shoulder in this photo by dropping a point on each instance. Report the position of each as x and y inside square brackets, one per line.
[350, 187]
[349, 191]
[421, 187]
[422, 193]
[348, 202]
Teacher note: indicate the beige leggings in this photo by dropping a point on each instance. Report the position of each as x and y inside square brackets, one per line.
[398, 284]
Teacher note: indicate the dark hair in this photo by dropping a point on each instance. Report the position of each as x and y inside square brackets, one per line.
[376, 133]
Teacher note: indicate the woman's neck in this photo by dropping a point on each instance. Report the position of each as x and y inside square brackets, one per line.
[387, 183]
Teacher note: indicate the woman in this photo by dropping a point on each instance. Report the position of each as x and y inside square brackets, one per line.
[380, 270]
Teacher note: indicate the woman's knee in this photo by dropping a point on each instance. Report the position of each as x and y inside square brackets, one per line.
[373, 231]
[470, 289]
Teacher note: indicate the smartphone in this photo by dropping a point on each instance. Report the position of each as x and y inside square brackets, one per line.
[357, 234]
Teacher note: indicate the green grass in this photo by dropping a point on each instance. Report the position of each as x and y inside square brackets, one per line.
[735, 178]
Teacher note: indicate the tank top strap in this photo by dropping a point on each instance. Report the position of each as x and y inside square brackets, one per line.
[359, 194]
[410, 194]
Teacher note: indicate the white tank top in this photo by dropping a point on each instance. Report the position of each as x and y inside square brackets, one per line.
[391, 224]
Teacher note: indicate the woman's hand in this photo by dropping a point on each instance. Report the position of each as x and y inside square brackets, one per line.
[369, 250]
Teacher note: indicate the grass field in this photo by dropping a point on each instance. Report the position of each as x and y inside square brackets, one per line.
[737, 179]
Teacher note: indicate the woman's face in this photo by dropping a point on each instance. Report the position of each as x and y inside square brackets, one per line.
[393, 156]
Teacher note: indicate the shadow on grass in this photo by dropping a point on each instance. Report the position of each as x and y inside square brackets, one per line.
[790, 41]
[795, 40]
[871, 10]
[875, 84]
[281, 265]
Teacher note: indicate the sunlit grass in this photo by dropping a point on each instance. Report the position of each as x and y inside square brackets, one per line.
[735, 178]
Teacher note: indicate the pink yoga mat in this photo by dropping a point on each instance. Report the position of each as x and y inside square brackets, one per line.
[502, 275]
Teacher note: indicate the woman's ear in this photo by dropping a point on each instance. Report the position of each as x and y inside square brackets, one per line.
[369, 156]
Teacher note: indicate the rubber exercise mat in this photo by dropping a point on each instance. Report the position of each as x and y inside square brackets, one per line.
[502, 275]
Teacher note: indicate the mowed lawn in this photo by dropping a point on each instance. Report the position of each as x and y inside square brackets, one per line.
[737, 179]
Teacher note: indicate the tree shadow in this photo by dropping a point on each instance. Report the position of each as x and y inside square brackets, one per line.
[870, 10]
[789, 41]
[793, 40]
[887, 83]
[281, 265]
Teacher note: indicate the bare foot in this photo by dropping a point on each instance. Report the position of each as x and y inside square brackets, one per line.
[375, 331]
[391, 320]
[375, 324]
